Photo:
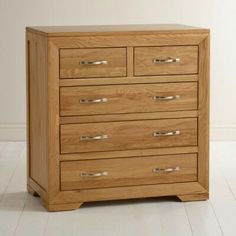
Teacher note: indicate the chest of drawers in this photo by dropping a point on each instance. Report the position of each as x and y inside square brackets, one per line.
[117, 112]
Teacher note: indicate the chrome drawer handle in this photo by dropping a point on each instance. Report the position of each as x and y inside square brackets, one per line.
[93, 62]
[92, 175]
[165, 60]
[163, 134]
[91, 138]
[166, 170]
[99, 100]
[166, 98]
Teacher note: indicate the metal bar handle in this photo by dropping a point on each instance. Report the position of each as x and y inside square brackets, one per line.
[93, 175]
[165, 60]
[166, 170]
[91, 138]
[99, 100]
[163, 134]
[94, 62]
[166, 98]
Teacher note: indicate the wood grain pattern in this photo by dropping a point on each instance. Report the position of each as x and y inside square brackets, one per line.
[37, 109]
[15, 204]
[128, 171]
[130, 61]
[128, 80]
[34, 186]
[144, 56]
[126, 117]
[61, 207]
[54, 140]
[128, 135]
[127, 99]
[53, 121]
[128, 153]
[203, 107]
[163, 39]
[70, 60]
[81, 30]
[193, 197]
[126, 192]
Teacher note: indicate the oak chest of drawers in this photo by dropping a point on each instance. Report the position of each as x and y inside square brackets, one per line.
[117, 112]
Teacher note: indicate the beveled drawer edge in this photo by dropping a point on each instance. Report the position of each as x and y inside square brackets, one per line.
[128, 153]
[128, 80]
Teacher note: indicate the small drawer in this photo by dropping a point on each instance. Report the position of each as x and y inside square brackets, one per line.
[126, 135]
[118, 99]
[128, 171]
[165, 60]
[87, 63]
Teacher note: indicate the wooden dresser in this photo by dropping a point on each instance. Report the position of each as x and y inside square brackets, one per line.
[117, 112]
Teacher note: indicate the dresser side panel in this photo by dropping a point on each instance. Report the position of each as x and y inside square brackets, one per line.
[203, 107]
[37, 110]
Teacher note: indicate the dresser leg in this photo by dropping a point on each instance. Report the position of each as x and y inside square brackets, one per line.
[194, 197]
[31, 191]
[61, 207]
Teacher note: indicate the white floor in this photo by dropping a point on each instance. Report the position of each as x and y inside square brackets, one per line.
[22, 214]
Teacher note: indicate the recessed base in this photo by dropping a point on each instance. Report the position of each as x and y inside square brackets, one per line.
[61, 207]
[194, 197]
[191, 192]
[32, 191]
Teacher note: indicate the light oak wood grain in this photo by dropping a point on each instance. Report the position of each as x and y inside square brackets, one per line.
[162, 39]
[203, 107]
[127, 99]
[37, 109]
[128, 153]
[128, 80]
[128, 171]
[126, 192]
[144, 56]
[34, 186]
[53, 121]
[126, 117]
[113, 29]
[128, 135]
[218, 214]
[130, 61]
[54, 138]
[193, 197]
[71, 67]
[61, 207]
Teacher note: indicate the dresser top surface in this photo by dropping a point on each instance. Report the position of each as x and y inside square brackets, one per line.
[113, 29]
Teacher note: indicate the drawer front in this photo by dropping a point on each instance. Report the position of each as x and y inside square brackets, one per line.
[128, 171]
[117, 99]
[86, 63]
[165, 60]
[126, 135]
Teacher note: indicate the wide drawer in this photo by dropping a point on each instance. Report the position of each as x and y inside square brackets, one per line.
[116, 99]
[128, 171]
[109, 136]
[165, 60]
[98, 62]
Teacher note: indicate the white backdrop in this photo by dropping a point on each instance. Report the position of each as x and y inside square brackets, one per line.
[219, 16]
